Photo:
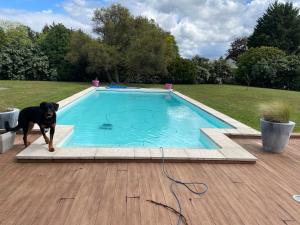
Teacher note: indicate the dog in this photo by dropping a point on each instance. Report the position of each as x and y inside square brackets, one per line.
[43, 115]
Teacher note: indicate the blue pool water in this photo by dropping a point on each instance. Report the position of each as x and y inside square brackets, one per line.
[137, 119]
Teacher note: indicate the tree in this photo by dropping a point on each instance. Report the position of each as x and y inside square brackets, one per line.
[150, 53]
[102, 59]
[201, 61]
[144, 50]
[278, 27]
[250, 63]
[2, 37]
[78, 55]
[24, 62]
[182, 71]
[202, 69]
[19, 34]
[220, 72]
[55, 44]
[114, 26]
[237, 47]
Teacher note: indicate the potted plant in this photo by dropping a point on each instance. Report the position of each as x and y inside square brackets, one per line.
[276, 127]
[7, 138]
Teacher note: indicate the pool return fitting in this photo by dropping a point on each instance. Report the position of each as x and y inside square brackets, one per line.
[174, 182]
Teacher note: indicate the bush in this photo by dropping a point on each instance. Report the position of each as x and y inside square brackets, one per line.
[213, 72]
[220, 72]
[202, 75]
[182, 71]
[251, 63]
[20, 62]
[278, 73]
[277, 112]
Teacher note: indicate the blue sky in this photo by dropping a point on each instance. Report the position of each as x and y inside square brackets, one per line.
[32, 5]
[203, 27]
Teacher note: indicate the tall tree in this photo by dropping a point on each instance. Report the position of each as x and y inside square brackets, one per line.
[55, 44]
[2, 37]
[144, 49]
[113, 25]
[19, 34]
[103, 59]
[150, 52]
[78, 55]
[237, 47]
[278, 27]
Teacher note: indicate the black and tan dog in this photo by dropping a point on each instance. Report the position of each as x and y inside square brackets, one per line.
[43, 115]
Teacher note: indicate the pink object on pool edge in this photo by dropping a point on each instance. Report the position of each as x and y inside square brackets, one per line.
[168, 86]
[95, 83]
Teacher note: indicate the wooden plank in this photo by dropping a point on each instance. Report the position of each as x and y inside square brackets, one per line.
[165, 184]
[104, 215]
[148, 211]
[81, 200]
[133, 210]
[44, 182]
[162, 215]
[119, 203]
[91, 194]
[21, 193]
[96, 195]
[48, 203]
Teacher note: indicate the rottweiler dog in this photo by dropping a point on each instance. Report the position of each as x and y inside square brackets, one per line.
[43, 115]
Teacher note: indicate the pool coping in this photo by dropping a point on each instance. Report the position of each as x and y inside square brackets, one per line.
[229, 150]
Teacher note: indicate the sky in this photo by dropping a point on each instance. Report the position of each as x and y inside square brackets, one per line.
[203, 27]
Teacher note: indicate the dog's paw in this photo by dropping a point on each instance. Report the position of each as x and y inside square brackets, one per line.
[51, 149]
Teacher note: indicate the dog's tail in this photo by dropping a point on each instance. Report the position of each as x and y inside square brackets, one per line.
[8, 128]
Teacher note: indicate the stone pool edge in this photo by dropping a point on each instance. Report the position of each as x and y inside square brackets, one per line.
[229, 150]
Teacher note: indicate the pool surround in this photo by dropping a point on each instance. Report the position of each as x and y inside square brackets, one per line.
[229, 150]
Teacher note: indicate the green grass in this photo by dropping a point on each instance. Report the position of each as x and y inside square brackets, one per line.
[239, 102]
[21, 94]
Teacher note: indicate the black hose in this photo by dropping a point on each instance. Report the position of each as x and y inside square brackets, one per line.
[175, 182]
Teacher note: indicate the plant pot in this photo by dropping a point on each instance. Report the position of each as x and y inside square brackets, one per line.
[10, 116]
[168, 86]
[275, 136]
[6, 141]
[95, 83]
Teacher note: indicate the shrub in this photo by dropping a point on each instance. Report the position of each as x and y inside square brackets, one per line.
[202, 75]
[182, 71]
[220, 72]
[251, 63]
[277, 112]
[19, 62]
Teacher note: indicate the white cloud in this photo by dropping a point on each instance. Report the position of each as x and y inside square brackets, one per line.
[204, 27]
[37, 20]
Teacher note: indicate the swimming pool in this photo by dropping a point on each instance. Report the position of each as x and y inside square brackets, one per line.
[112, 118]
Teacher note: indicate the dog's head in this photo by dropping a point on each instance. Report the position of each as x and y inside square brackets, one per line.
[48, 109]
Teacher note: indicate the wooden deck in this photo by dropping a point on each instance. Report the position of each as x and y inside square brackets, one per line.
[116, 193]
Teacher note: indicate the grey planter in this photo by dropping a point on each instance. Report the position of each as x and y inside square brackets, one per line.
[275, 136]
[6, 141]
[11, 117]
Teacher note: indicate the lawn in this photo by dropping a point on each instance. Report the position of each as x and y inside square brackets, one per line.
[238, 102]
[27, 93]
